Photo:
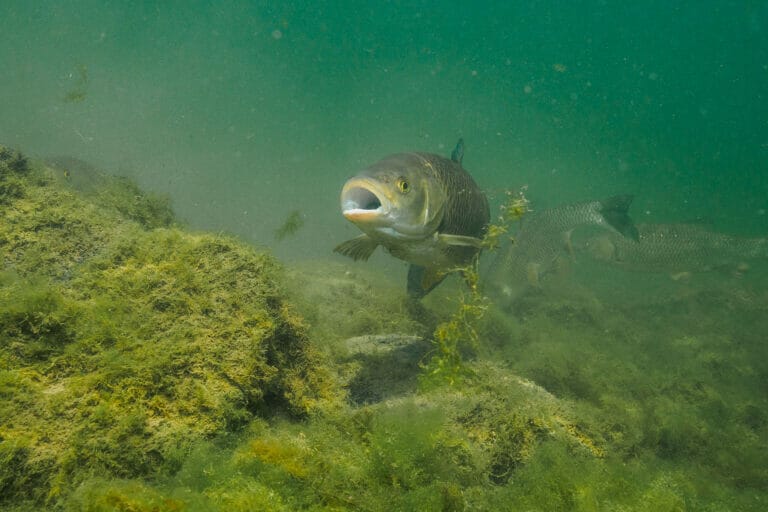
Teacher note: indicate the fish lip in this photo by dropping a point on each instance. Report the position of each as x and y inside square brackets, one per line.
[361, 215]
[363, 201]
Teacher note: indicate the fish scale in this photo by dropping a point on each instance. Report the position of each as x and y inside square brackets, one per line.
[674, 248]
[542, 239]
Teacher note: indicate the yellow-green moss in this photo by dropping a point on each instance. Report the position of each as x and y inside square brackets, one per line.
[143, 367]
[102, 495]
[459, 333]
[120, 347]
[149, 209]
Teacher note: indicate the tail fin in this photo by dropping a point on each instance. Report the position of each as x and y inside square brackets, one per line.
[615, 211]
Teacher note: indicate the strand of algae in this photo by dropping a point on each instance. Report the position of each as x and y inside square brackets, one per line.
[446, 364]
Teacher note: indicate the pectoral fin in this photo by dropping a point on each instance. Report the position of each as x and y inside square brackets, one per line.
[422, 280]
[460, 240]
[358, 248]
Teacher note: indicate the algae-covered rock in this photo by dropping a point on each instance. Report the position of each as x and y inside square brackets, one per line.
[121, 346]
[47, 227]
[149, 209]
[144, 367]
[445, 449]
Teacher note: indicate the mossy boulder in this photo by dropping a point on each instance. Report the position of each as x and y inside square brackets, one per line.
[147, 368]
[122, 345]
[149, 209]
[55, 220]
[447, 449]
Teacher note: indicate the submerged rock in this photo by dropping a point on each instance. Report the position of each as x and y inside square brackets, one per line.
[120, 346]
[380, 343]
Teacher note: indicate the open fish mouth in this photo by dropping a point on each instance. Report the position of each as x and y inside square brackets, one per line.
[359, 198]
[360, 202]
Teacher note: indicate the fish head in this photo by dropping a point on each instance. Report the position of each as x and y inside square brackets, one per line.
[398, 198]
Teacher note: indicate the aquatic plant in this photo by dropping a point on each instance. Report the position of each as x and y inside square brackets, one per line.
[149, 209]
[13, 166]
[102, 495]
[451, 337]
[459, 331]
[438, 450]
[290, 226]
[12, 162]
[512, 210]
[661, 388]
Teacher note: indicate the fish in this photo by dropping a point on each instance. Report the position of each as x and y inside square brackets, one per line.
[543, 237]
[675, 249]
[423, 208]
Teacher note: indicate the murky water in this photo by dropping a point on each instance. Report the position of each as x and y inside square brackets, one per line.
[251, 115]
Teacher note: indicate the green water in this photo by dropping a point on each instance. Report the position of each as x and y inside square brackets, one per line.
[245, 112]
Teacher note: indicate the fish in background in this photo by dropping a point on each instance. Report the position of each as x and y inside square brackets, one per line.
[543, 238]
[421, 207]
[676, 249]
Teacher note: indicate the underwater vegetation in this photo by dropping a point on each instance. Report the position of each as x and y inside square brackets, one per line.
[149, 209]
[459, 333]
[122, 345]
[290, 226]
[144, 367]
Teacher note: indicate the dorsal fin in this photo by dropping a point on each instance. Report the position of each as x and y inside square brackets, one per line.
[615, 212]
[457, 155]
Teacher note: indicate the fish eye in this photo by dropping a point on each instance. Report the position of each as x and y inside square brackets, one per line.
[403, 186]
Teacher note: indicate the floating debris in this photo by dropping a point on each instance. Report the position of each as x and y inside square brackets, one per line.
[80, 88]
[292, 224]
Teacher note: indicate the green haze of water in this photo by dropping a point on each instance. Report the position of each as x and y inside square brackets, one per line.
[251, 115]
[244, 112]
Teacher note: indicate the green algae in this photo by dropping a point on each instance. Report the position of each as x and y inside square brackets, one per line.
[614, 435]
[433, 451]
[290, 226]
[122, 345]
[459, 334]
[144, 367]
[110, 192]
[663, 388]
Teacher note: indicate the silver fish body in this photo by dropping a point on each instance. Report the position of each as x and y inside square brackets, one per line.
[543, 237]
[423, 208]
[675, 249]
